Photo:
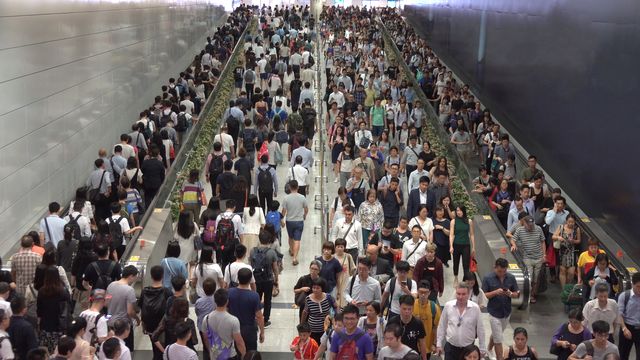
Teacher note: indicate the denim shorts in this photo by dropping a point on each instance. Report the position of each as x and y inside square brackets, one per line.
[294, 229]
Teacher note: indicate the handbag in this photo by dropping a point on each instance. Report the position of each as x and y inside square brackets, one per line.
[287, 186]
[473, 265]
[94, 194]
[551, 256]
[300, 299]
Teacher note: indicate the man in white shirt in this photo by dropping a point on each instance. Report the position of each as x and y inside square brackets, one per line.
[459, 325]
[96, 322]
[52, 226]
[226, 141]
[361, 288]
[231, 271]
[127, 150]
[295, 61]
[124, 226]
[403, 286]
[83, 222]
[602, 308]
[349, 229]
[337, 97]
[299, 174]
[229, 213]
[304, 152]
[414, 249]
[308, 76]
[121, 329]
[188, 104]
[414, 177]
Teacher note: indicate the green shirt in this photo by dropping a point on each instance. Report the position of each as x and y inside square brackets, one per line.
[461, 232]
[377, 115]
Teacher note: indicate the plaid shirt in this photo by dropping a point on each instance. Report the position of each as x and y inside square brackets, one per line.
[359, 97]
[23, 265]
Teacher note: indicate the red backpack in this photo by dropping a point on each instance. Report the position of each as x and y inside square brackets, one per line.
[349, 347]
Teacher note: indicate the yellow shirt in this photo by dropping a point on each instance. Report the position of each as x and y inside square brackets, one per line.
[587, 260]
[423, 312]
[370, 97]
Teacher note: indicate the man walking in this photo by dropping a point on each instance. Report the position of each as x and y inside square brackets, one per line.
[224, 329]
[499, 287]
[294, 209]
[459, 325]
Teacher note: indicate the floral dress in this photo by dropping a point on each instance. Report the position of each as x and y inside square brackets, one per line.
[567, 248]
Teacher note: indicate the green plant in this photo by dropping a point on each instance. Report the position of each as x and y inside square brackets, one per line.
[430, 131]
[213, 113]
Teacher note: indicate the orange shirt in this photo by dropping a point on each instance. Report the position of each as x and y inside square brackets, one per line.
[38, 250]
[309, 350]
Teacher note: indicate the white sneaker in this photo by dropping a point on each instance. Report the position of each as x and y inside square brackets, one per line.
[335, 180]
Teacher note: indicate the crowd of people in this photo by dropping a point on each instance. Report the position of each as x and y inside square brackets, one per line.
[377, 288]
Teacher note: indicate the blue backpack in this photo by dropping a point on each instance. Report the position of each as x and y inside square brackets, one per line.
[273, 218]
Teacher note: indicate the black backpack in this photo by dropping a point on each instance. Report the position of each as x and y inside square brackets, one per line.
[164, 119]
[117, 237]
[312, 61]
[152, 307]
[261, 271]
[73, 222]
[265, 180]
[225, 237]
[182, 123]
[104, 278]
[232, 122]
[216, 166]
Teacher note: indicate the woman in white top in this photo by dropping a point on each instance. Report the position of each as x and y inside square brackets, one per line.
[253, 220]
[168, 148]
[477, 295]
[87, 210]
[207, 268]
[185, 234]
[134, 174]
[425, 223]
[345, 163]
[361, 134]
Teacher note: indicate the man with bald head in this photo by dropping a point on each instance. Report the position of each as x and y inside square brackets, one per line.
[380, 268]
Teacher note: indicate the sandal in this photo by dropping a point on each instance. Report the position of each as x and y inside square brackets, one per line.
[276, 292]
[532, 300]
[295, 262]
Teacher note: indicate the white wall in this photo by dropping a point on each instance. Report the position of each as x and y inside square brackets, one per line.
[74, 75]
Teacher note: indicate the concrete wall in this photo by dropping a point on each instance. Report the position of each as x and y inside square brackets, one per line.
[74, 75]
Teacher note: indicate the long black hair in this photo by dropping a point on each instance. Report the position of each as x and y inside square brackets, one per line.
[206, 257]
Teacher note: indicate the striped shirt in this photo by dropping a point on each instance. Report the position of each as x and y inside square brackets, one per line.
[317, 311]
[529, 242]
[191, 193]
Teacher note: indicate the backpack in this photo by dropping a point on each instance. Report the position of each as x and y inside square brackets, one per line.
[265, 180]
[152, 307]
[232, 122]
[216, 166]
[295, 123]
[248, 138]
[182, 123]
[268, 68]
[273, 218]
[249, 76]
[392, 290]
[209, 233]
[217, 349]
[260, 265]
[164, 119]
[94, 332]
[364, 142]
[76, 227]
[225, 235]
[117, 237]
[104, 278]
[348, 349]
[312, 61]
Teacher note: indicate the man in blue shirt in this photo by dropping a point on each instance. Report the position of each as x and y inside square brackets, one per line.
[499, 287]
[244, 304]
[351, 332]
[629, 308]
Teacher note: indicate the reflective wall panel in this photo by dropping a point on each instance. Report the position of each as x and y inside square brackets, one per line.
[73, 76]
[562, 77]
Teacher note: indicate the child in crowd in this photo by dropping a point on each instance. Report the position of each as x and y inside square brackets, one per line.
[303, 346]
